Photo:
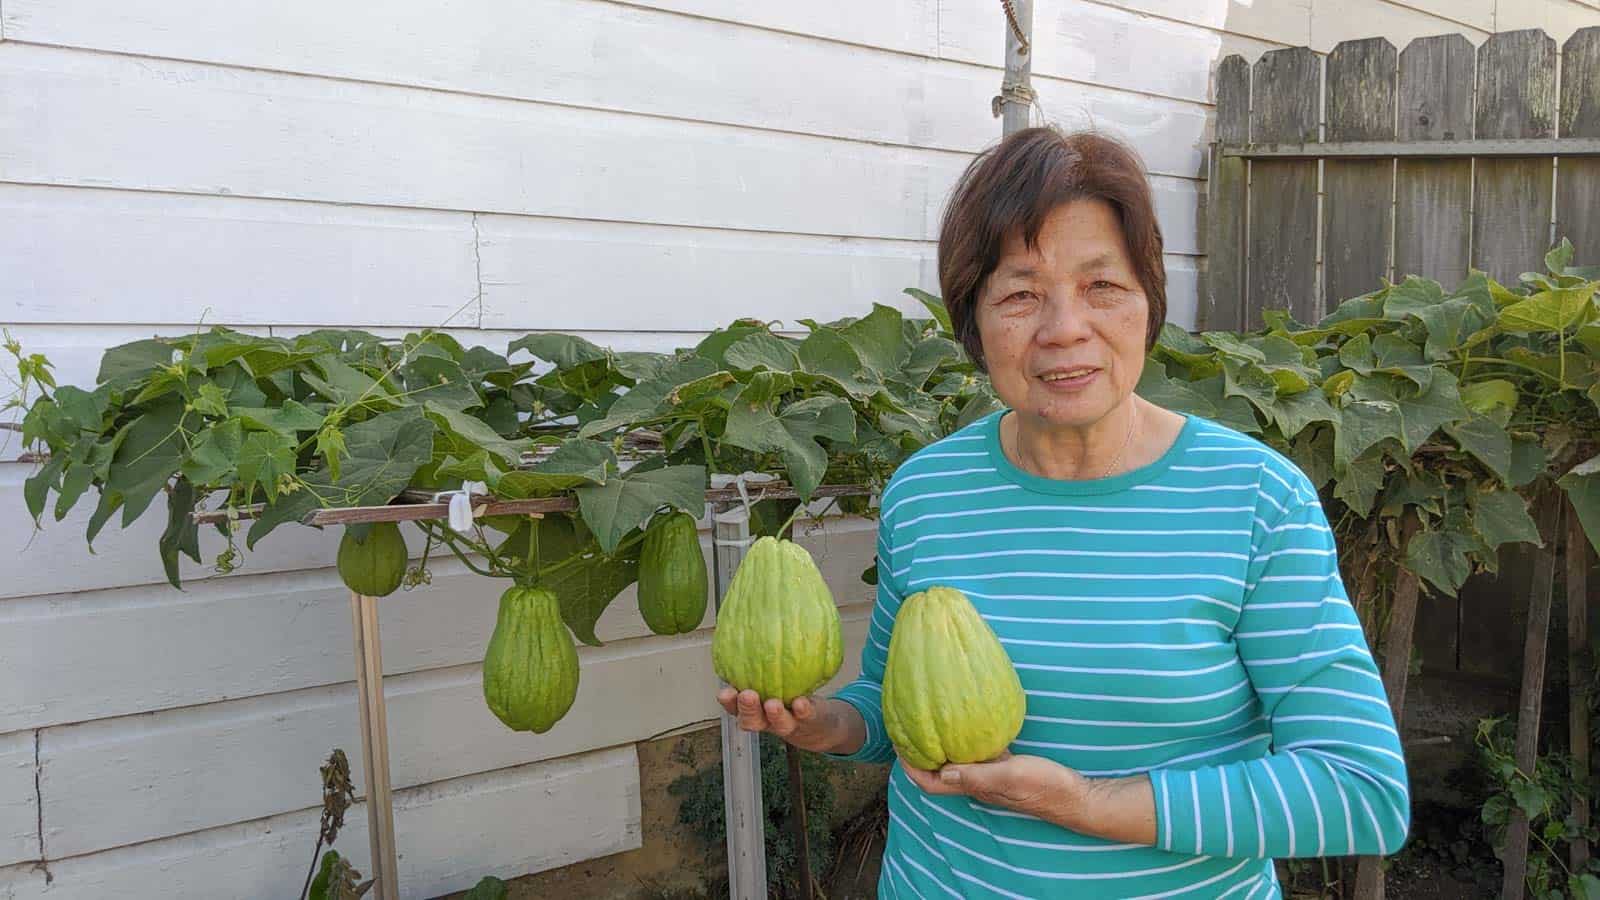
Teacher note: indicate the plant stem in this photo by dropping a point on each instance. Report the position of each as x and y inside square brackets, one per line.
[309, 872]
[457, 551]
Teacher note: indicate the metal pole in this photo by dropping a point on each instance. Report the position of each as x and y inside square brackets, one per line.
[741, 750]
[375, 746]
[1015, 102]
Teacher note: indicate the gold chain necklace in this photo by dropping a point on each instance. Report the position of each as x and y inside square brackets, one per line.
[1126, 442]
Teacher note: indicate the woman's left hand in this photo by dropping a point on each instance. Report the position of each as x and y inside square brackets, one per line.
[1026, 784]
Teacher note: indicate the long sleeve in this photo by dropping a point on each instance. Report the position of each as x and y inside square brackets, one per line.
[865, 693]
[1335, 781]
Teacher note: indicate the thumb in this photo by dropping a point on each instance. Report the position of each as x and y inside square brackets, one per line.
[967, 777]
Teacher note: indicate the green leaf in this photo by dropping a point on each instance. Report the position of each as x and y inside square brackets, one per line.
[1312, 451]
[213, 454]
[793, 433]
[212, 400]
[81, 410]
[1550, 310]
[1530, 797]
[74, 482]
[289, 419]
[1495, 397]
[1501, 517]
[716, 344]
[1440, 557]
[935, 307]
[826, 353]
[1251, 383]
[1296, 412]
[578, 461]
[385, 451]
[348, 386]
[1559, 257]
[588, 585]
[927, 356]
[622, 504]
[464, 432]
[1411, 297]
[1582, 485]
[1420, 415]
[1357, 484]
[151, 451]
[1363, 424]
[183, 533]
[126, 364]
[1451, 322]
[1172, 393]
[659, 395]
[878, 339]
[763, 351]
[265, 457]
[431, 379]
[1234, 346]
[565, 351]
[1528, 461]
[1587, 886]
[36, 489]
[487, 888]
[1486, 440]
[1235, 412]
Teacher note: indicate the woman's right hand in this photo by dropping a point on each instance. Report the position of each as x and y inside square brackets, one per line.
[808, 723]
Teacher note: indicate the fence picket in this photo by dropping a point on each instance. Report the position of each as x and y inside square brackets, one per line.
[1578, 180]
[1225, 206]
[1433, 197]
[1282, 262]
[1358, 227]
[1512, 198]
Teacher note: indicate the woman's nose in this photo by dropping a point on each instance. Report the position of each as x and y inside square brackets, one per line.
[1062, 321]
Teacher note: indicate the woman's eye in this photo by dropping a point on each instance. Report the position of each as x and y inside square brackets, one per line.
[1102, 285]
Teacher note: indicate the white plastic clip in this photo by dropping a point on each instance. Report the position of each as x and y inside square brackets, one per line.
[720, 480]
[462, 512]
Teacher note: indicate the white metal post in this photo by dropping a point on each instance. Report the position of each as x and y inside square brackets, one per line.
[741, 750]
[1016, 94]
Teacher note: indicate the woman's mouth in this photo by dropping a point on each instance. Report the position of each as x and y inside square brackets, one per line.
[1072, 378]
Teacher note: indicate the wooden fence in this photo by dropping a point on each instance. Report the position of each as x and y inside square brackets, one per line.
[1327, 175]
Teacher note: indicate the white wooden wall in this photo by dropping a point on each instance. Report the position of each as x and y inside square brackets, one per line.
[634, 171]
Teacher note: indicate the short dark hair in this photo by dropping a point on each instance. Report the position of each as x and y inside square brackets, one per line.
[1014, 185]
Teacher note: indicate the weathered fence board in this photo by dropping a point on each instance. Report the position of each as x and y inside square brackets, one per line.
[1512, 198]
[1578, 180]
[1224, 298]
[1360, 91]
[1578, 677]
[1432, 197]
[1282, 263]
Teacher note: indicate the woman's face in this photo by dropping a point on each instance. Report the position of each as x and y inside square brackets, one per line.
[1063, 326]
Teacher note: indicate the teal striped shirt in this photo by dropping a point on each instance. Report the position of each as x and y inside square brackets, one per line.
[1186, 620]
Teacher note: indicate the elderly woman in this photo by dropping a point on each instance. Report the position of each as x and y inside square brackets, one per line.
[1200, 697]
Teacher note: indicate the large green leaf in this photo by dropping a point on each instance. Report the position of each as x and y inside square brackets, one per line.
[1496, 398]
[384, 452]
[622, 504]
[1420, 415]
[289, 419]
[763, 351]
[1440, 558]
[183, 533]
[587, 585]
[936, 308]
[927, 356]
[1357, 484]
[463, 432]
[1363, 424]
[214, 453]
[878, 339]
[126, 364]
[1411, 297]
[266, 458]
[578, 461]
[1172, 393]
[1486, 440]
[793, 433]
[1296, 412]
[1450, 322]
[1501, 517]
[565, 351]
[1550, 310]
[151, 451]
[658, 395]
[1582, 485]
[826, 353]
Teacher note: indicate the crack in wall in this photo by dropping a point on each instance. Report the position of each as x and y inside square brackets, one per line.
[38, 803]
[477, 262]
